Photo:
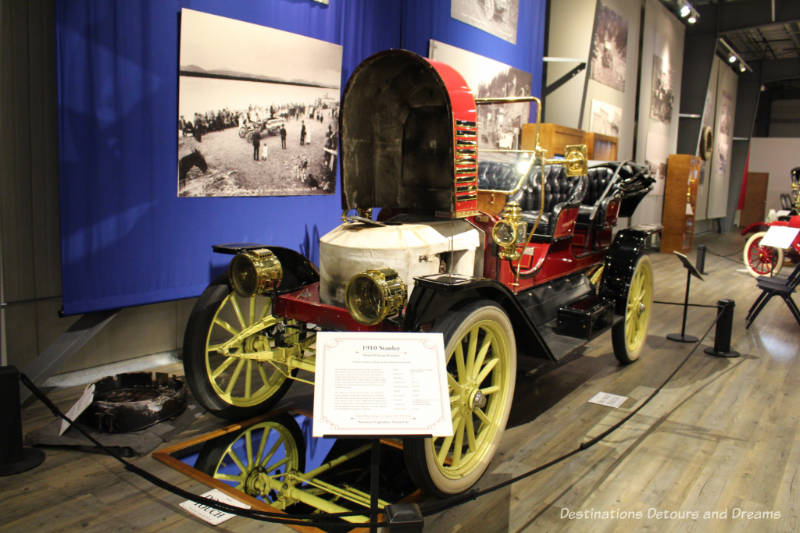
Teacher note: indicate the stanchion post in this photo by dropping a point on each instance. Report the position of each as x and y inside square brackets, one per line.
[700, 263]
[722, 334]
[13, 457]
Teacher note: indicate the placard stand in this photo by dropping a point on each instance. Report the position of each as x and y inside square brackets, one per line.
[374, 384]
[690, 271]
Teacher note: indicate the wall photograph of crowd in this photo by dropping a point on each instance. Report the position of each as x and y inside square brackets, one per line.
[257, 110]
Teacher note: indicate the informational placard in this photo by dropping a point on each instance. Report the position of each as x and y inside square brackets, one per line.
[377, 384]
[209, 514]
[86, 399]
[780, 236]
[608, 399]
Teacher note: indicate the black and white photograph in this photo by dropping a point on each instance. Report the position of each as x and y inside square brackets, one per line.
[498, 17]
[724, 133]
[257, 110]
[499, 125]
[606, 118]
[662, 101]
[609, 48]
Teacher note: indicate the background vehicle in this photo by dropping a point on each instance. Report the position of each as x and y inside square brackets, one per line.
[503, 252]
[765, 260]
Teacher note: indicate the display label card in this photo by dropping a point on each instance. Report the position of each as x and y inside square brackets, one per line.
[608, 399]
[780, 236]
[86, 399]
[382, 383]
[209, 514]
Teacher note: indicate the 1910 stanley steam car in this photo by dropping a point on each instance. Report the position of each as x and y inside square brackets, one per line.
[510, 251]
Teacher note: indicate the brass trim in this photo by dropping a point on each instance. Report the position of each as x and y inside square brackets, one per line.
[386, 295]
[466, 133]
[255, 272]
[466, 123]
[467, 197]
[464, 142]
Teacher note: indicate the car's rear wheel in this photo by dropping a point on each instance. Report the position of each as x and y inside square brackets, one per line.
[229, 386]
[481, 358]
[761, 260]
[628, 335]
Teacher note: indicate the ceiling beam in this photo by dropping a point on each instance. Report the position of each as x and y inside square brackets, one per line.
[730, 16]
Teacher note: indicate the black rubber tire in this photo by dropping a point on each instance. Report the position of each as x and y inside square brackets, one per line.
[419, 453]
[194, 352]
[623, 350]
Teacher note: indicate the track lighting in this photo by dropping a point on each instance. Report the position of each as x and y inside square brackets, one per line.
[685, 11]
[731, 58]
[692, 19]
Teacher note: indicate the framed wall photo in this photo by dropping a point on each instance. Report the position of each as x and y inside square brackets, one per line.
[609, 51]
[257, 110]
[498, 17]
[606, 118]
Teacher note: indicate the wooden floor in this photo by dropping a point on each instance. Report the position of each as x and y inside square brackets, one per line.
[718, 449]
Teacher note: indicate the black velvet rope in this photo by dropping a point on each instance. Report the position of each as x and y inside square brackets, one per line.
[323, 519]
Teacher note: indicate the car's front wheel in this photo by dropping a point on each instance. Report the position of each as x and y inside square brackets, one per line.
[223, 380]
[481, 358]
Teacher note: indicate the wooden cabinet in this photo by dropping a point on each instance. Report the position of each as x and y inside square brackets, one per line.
[755, 199]
[554, 137]
[680, 200]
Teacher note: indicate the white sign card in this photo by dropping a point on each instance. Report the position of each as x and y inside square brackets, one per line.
[86, 399]
[381, 383]
[779, 236]
[209, 514]
[608, 399]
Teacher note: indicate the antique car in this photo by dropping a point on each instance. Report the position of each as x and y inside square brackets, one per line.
[765, 260]
[503, 252]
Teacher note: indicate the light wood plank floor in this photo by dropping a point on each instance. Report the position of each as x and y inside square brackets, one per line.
[716, 447]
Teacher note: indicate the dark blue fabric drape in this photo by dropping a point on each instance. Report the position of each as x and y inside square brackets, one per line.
[126, 238]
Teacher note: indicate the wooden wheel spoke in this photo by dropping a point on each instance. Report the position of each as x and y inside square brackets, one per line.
[252, 313]
[452, 383]
[488, 340]
[223, 366]
[487, 391]
[224, 325]
[273, 467]
[237, 460]
[237, 310]
[227, 477]
[487, 369]
[482, 416]
[471, 351]
[248, 445]
[264, 378]
[459, 355]
[470, 430]
[272, 450]
[458, 445]
[261, 446]
[234, 377]
[248, 378]
[441, 457]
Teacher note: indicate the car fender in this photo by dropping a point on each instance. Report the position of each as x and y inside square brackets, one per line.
[620, 262]
[298, 271]
[754, 227]
[434, 296]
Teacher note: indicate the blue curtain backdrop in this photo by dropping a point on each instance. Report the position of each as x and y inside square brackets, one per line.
[126, 238]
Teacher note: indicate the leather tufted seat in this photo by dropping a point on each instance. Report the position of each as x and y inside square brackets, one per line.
[561, 191]
[496, 175]
[598, 179]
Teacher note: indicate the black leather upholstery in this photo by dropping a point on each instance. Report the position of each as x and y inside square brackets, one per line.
[496, 175]
[561, 192]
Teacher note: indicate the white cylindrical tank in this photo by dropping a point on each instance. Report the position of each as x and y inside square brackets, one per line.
[411, 249]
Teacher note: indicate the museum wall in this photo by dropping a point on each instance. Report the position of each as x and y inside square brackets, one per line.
[119, 62]
[785, 118]
[659, 101]
[776, 156]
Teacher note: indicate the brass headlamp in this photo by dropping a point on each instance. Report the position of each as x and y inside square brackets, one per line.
[374, 295]
[509, 231]
[255, 272]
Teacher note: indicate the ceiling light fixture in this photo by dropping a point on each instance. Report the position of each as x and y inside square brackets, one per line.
[685, 11]
[731, 58]
[692, 19]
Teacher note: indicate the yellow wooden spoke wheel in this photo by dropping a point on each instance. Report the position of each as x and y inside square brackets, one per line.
[220, 379]
[629, 334]
[256, 460]
[481, 365]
